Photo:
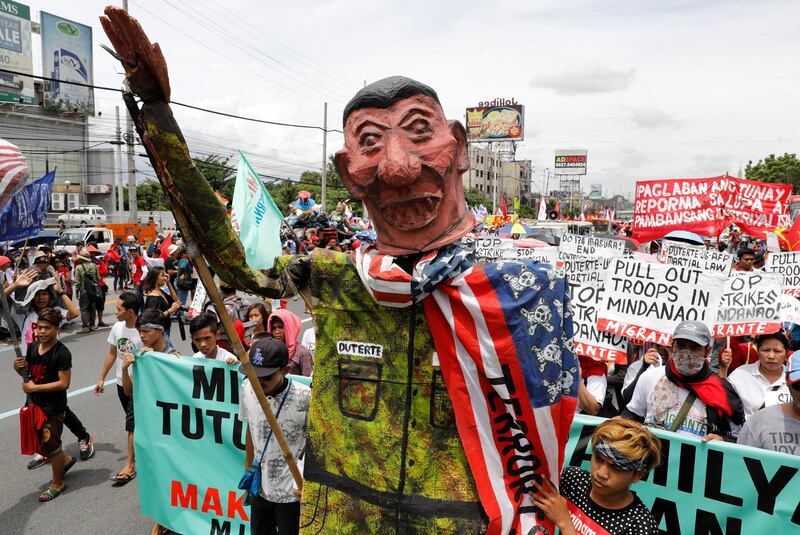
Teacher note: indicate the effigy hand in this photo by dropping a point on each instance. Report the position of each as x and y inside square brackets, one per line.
[144, 64]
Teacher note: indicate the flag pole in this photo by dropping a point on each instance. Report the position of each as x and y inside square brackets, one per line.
[207, 279]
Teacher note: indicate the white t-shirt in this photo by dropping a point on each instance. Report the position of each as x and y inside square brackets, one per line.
[125, 340]
[222, 354]
[633, 371]
[596, 386]
[28, 329]
[755, 390]
[277, 484]
[309, 340]
[659, 400]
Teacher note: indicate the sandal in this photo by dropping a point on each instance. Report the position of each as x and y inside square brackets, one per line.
[120, 480]
[51, 494]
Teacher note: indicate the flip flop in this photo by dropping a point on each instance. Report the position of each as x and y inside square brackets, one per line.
[120, 480]
[69, 465]
[51, 494]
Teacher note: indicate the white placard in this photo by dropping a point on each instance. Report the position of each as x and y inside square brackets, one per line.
[592, 246]
[681, 254]
[750, 304]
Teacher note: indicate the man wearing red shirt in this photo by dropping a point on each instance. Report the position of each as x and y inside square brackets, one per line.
[138, 265]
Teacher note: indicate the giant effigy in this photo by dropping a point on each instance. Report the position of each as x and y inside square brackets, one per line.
[442, 387]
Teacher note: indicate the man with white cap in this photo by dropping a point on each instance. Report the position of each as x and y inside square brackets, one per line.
[685, 395]
[277, 505]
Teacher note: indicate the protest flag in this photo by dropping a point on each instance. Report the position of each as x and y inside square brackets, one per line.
[542, 210]
[164, 251]
[503, 204]
[558, 208]
[516, 204]
[13, 171]
[255, 217]
[26, 210]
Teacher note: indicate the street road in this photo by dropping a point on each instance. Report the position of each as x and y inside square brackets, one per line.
[90, 504]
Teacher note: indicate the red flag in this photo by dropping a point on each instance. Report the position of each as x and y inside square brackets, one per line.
[558, 208]
[165, 246]
[503, 204]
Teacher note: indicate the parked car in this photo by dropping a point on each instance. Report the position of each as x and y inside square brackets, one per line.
[71, 237]
[84, 216]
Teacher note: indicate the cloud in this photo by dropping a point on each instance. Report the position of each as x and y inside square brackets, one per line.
[652, 118]
[705, 165]
[592, 78]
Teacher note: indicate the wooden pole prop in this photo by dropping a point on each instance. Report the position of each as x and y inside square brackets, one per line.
[207, 280]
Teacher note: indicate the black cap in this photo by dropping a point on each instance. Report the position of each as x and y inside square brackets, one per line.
[267, 356]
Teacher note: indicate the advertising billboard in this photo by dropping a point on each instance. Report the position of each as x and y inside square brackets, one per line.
[504, 122]
[570, 162]
[67, 57]
[596, 192]
[15, 53]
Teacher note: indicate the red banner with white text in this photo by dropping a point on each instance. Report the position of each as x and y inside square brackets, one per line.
[707, 205]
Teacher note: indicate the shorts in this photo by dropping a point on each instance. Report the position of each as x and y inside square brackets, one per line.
[50, 435]
[127, 406]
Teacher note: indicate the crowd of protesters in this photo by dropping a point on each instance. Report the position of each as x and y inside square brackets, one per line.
[732, 389]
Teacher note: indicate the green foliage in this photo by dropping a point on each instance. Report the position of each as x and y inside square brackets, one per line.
[221, 175]
[150, 196]
[777, 170]
[476, 198]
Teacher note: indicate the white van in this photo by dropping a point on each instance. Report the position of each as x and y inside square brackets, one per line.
[89, 215]
[103, 237]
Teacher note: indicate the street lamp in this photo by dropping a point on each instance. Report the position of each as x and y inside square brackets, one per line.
[66, 199]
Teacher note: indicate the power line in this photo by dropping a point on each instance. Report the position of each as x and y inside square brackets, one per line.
[198, 108]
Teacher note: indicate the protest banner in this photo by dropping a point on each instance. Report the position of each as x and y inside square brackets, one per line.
[579, 244]
[788, 265]
[499, 220]
[25, 214]
[546, 255]
[708, 205]
[590, 342]
[709, 487]
[189, 444]
[682, 254]
[750, 304]
[645, 302]
[507, 249]
[581, 269]
[790, 309]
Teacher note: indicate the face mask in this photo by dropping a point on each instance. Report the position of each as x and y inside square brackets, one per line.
[687, 362]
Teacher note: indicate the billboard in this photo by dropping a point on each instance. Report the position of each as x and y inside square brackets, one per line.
[15, 53]
[595, 192]
[67, 57]
[570, 162]
[496, 123]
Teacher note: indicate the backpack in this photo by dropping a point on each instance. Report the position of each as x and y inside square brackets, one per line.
[91, 287]
[184, 280]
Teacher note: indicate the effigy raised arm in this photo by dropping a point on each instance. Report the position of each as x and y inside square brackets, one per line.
[186, 188]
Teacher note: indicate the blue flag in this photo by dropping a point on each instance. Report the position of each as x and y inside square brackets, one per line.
[24, 215]
[255, 217]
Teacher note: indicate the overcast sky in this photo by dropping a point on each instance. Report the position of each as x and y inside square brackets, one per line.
[651, 89]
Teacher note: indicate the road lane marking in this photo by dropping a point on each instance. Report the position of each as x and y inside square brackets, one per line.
[69, 395]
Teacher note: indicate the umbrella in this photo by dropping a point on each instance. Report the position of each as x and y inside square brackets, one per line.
[530, 243]
[685, 236]
[630, 243]
[515, 228]
[550, 239]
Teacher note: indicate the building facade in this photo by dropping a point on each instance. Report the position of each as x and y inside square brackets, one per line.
[512, 178]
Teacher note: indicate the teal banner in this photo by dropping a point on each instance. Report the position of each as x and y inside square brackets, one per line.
[189, 444]
[711, 488]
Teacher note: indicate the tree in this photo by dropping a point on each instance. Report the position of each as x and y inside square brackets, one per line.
[777, 170]
[220, 175]
[476, 198]
[150, 197]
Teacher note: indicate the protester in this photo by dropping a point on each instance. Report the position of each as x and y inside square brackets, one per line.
[592, 388]
[63, 268]
[285, 326]
[123, 338]
[46, 371]
[102, 268]
[747, 258]
[184, 283]
[87, 283]
[234, 304]
[257, 313]
[138, 266]
[623, 452]
[763, 383]
[171, 261]
[44, 295]
[156, 298]
[277, 506]
[684, 395]
[777, 428]
[203, 330]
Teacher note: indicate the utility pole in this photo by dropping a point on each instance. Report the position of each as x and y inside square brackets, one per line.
[118, 174]
[129, 139]
[324, 157]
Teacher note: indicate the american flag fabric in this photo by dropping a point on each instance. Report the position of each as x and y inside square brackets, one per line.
[14, 171]
[503, 335]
